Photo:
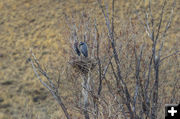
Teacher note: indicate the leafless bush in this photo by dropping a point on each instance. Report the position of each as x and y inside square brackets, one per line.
[122, 76]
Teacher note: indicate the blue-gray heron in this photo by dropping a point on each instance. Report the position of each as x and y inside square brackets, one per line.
[76, 48]
[83, 49]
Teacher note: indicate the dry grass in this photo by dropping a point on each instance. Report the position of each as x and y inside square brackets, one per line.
[40, 25]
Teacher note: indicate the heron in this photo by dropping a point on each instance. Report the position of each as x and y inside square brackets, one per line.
[83, 49]
[76, 48]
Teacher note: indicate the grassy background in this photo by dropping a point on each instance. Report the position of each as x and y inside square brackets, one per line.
[40, 25]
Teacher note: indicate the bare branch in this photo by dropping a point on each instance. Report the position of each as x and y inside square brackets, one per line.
[175, 53]
[42, 71]
[147, 27]
[170, 19]
[99, 62]
[137, 78]
[35, 71]
[51, 87]
[112, 20]
[152, 18]
[160, 21]
[106, 17]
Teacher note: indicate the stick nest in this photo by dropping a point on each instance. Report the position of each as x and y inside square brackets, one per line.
[82, 65]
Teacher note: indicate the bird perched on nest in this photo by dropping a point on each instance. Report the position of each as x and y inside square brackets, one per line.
[76, 48]
[83, 49]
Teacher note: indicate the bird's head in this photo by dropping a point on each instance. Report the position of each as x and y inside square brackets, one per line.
[81, 43]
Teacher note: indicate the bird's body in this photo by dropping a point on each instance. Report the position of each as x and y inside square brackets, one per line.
[83, 49]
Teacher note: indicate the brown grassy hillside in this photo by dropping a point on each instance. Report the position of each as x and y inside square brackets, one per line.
[40, 25]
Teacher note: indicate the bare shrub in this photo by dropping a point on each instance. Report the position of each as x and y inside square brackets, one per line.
[125, 74]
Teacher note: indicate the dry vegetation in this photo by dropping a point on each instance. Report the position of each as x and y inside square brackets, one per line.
[46, 27]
